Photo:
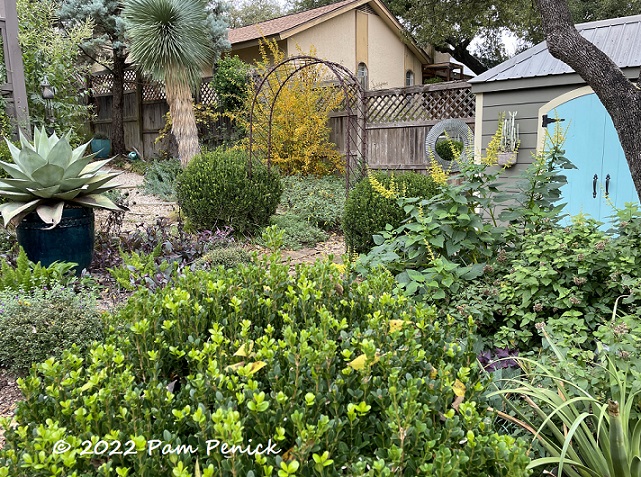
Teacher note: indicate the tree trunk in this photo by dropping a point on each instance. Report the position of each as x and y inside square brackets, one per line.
[117, 107]
[460, 53]
[183, 121]
[620, 96]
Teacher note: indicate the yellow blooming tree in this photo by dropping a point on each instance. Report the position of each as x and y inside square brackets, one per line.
[300, 131]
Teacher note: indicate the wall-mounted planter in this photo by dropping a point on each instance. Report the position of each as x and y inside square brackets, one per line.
[507, 159]
[102, 147]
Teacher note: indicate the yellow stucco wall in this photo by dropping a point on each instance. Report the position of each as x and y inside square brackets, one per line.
[386, 56]
[251, 55]
[350, 38]
[412, 63]
[334, 40]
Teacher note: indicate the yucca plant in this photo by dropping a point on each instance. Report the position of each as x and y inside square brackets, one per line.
[583, 435]
[174, 41]
[48, 174]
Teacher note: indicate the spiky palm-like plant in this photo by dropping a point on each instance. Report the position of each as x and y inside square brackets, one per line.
[174, 41]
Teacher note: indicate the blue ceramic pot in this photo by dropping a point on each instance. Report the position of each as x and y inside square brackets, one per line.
[72, 240]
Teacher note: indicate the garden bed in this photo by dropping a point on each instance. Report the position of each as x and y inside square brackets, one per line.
[144, 210]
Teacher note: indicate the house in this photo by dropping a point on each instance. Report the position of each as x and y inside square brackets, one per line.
[361, 35]
[543, 90]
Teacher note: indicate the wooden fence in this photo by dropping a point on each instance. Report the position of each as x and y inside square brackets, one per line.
[398, 120]
[145, 106]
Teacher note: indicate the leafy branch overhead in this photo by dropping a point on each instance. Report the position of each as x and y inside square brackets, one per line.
[455, 27]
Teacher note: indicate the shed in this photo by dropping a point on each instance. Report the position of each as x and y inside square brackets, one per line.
[538, 87]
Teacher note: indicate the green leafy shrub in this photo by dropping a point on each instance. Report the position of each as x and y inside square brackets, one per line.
[513, 269]
[214, 191]
[338, 377]
[318, 200]
[231, 78]
[298, 232]
[27, 276]
[44, 323]
[368, 212]
[160, 178]
[569, 277]
[227, 257]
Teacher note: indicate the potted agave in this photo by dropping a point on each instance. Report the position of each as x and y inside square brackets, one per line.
[51, 194]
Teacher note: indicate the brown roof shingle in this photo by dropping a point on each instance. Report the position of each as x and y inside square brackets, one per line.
[281, 24]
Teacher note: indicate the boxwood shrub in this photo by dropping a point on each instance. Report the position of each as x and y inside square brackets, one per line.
[340, 377]
[367, 212]
[214, 191]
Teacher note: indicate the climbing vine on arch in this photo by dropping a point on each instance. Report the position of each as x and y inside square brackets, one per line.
[289, 113]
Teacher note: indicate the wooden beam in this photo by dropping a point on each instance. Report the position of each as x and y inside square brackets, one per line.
[15, 67]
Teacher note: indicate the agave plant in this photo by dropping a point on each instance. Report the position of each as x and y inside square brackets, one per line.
[48, 174]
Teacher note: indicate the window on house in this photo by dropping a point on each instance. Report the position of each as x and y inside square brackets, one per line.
[409, 78]
[361, 75]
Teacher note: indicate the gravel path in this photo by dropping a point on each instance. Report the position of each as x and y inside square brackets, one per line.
[143, 208]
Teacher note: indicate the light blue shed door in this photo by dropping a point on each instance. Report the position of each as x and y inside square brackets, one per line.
[593, 146]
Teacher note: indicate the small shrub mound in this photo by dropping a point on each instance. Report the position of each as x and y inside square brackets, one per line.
[298, 232]
[320, 374]
[44, 323]
[368, 211]
[227, 257]
[160, 178]
[215, 191]
[449, 149]
[317, 200]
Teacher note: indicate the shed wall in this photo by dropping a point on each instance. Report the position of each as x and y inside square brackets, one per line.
[525, 96]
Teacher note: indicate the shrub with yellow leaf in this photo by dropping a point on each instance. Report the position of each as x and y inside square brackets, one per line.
[302, 102]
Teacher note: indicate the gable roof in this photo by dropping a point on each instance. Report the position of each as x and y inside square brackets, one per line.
[288, 25]
[281, 25]
[619, 38]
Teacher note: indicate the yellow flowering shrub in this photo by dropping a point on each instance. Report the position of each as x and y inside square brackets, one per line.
[300, 141]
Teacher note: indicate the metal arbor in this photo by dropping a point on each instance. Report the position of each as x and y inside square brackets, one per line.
[354, 110]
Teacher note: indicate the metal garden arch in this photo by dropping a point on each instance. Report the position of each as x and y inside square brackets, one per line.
[354, 108]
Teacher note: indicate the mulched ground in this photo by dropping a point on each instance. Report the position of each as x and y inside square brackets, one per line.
[9, 397]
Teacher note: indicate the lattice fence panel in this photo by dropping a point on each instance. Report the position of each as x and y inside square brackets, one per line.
[207, 93]
[153, 91]
[130, 81]
[422, 104]
[102, 84]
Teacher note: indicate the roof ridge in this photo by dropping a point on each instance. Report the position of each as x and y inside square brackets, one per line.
[325, 9]
[608, 22]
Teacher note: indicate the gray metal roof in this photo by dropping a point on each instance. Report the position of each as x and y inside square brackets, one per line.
[619, 38]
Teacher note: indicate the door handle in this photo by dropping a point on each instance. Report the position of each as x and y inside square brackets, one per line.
[607, 185]
[594, 179]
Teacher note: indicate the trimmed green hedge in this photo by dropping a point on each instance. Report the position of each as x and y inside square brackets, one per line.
[214, 191]
[336, 377]
[367, 212]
